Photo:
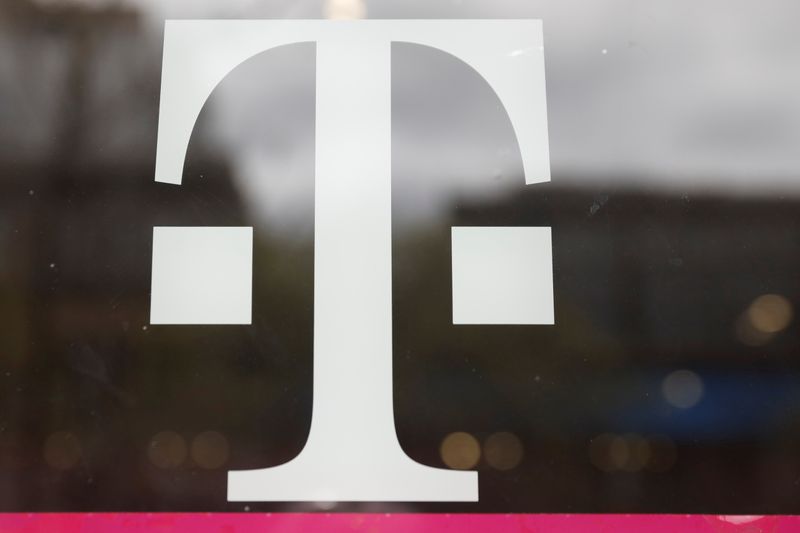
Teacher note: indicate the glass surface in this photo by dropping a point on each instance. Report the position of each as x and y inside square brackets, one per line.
[670, 381]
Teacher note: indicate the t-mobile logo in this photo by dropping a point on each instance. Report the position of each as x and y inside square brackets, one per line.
[501, 275]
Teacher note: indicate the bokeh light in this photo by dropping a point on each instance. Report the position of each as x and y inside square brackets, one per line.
[638, 452]
[749, 335]
[766, 316]
[210, 449]
[631, 453]
[682, 389]
[770, 313]
[618, 452]
[503, 450]
[460, 450]
[167, 449]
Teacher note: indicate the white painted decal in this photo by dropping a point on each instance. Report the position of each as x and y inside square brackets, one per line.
[352, 452]
[502, 275]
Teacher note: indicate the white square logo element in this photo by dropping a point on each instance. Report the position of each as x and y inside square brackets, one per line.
[202, 275]
[502, 275]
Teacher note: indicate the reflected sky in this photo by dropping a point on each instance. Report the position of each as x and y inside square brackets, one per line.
[693, 94]
[678, 94]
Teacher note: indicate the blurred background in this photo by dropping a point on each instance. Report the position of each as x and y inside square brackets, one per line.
[669, 383]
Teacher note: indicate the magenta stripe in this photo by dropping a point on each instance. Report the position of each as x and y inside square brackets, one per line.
[392, 523]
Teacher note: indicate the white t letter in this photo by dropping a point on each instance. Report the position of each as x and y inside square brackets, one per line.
[352, 452]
